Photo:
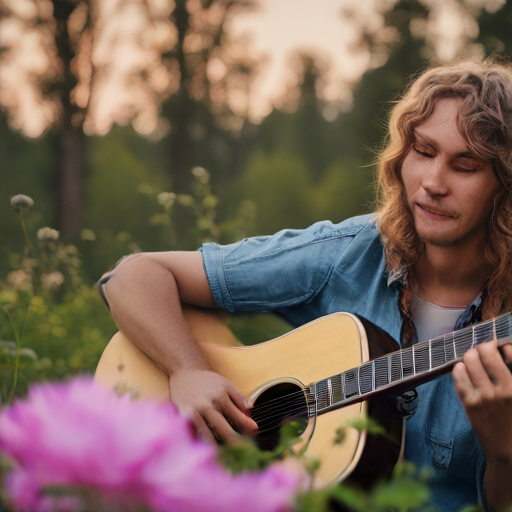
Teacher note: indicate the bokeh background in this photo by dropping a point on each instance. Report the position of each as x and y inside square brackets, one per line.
[157, 124]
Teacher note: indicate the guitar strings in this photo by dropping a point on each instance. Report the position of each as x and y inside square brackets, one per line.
[278, 423]
[286, 410]
[270, 412]
[261, 412]
[292, 410]
[275, 402]
[290, 413]
[267, 412]
[279, 400]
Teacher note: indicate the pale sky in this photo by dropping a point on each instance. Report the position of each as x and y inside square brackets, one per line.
[318, 26]
[276, 31]
[315, 26]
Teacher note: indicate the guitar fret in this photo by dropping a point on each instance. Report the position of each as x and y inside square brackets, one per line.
[396, 366]
[484, 332]
[437, 353]
[421, 358]
[351, 383]
[366, 378]
[449, 347]
[407, 363]
[322, 395]
[382, 372]
[337, 389]
[463, 341]
[329, 389]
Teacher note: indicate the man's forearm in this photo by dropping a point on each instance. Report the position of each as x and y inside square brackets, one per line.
[145, 304]
[498, 485]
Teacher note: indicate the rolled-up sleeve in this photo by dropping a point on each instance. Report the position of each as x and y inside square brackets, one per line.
[276, 272]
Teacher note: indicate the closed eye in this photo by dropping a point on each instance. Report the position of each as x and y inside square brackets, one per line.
[466, 164]
[422, 152]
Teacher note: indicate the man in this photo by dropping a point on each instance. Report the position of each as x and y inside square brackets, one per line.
[435, 257]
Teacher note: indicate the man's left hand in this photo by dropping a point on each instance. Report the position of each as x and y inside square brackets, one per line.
[483, 382]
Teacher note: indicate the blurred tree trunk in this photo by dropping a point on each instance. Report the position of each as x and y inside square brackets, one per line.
[181, 107]
[199, 123]
[70, 132]
[71, 167]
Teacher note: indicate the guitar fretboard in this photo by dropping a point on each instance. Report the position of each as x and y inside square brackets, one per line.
[398, 367]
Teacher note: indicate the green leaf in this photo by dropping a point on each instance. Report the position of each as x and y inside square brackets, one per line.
[402, 495]
[245, 456]
[349, 496]
[314, 501]
[472, 508]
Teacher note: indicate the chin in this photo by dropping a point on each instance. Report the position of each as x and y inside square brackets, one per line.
[439, 239]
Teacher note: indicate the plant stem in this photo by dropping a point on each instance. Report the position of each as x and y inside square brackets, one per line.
[19, 340]
[24, 229]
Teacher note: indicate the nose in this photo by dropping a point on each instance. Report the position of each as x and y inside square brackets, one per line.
[434, 181]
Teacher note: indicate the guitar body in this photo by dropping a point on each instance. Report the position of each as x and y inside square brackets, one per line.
[288, 364]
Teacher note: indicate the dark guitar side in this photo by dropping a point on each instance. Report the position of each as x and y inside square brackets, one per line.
[380, 454]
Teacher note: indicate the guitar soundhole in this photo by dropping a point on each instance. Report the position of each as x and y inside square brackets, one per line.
[275, 407]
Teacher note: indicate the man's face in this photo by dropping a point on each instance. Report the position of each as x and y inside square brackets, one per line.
[449, 191]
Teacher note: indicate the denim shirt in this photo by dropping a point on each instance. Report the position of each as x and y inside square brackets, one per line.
[305, 274]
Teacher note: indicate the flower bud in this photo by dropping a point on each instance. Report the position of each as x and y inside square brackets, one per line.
[47, 234]
[199, 171]
[21, 203]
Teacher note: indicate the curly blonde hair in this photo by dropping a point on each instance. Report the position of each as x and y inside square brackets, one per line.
[484, 93]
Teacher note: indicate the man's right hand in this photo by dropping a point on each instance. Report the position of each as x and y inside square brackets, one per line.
[145, 292]
[217, 409]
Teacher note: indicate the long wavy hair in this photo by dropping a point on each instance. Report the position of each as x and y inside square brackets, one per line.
[484, 93]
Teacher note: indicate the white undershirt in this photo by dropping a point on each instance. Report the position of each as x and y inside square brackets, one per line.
[432, 320]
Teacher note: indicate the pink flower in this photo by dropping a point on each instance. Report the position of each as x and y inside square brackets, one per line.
[79, 433]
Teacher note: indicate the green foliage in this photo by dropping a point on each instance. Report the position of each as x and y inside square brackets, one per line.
[252, 328]
[54, 324]
[288, 196]
[407, 490]
[26, 167]
[345, 190]
[494, 30]
[117, 213]
[199, 210]
[246, 456]
[280, 186]
[472, 508]
[360, 424]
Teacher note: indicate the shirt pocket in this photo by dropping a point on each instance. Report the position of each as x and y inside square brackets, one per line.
[442, 450]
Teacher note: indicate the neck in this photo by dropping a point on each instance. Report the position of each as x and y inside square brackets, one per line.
[451, 276]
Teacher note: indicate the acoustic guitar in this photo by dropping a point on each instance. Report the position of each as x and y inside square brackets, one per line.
[324, 374]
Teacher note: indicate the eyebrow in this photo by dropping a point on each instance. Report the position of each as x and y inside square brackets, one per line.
[423, 139]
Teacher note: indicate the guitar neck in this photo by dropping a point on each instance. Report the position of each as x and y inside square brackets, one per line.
[408, 367]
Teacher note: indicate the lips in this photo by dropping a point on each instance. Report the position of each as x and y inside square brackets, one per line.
[434, 210]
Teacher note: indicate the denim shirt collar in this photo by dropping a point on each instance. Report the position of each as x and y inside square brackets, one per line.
[472, 314]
